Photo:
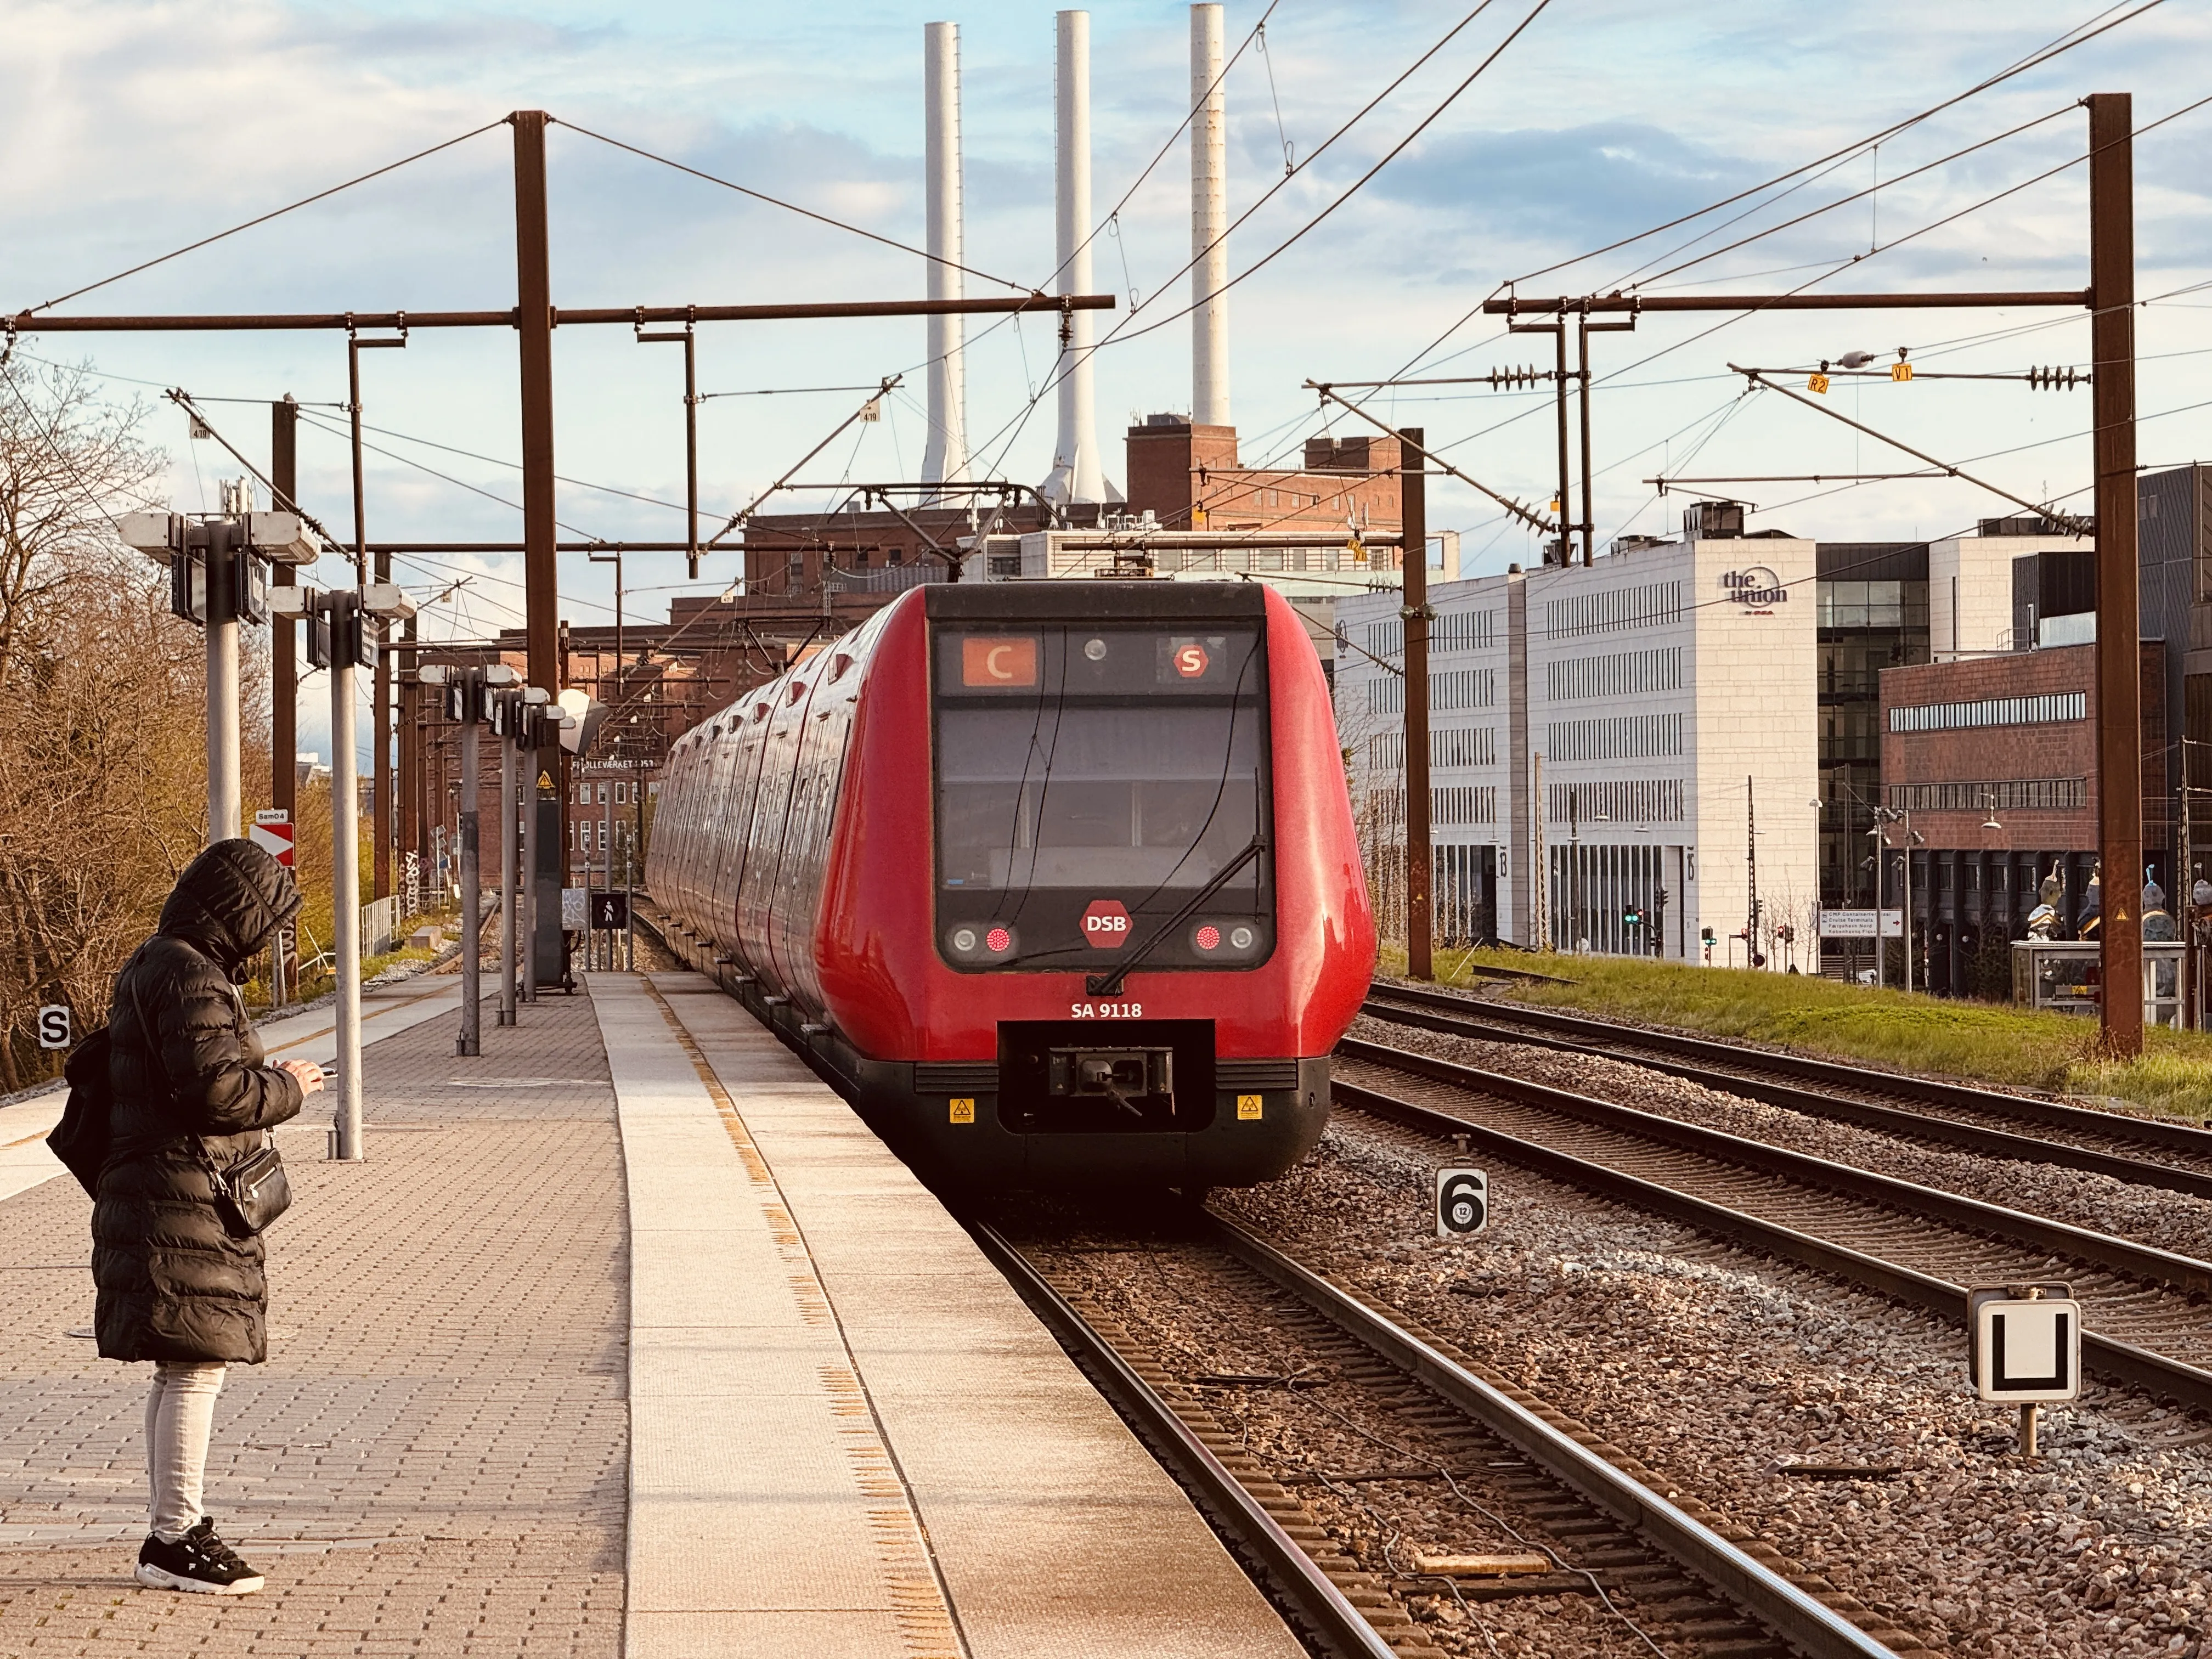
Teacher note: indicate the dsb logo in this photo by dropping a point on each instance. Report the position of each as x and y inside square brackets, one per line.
[1105, 924]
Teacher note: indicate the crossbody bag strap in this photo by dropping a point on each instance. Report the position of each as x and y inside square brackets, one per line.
[215, 1173]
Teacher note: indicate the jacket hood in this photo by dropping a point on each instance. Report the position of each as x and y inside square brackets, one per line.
[230, 901]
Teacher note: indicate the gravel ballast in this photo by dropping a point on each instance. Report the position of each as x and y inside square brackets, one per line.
[1722, 1371]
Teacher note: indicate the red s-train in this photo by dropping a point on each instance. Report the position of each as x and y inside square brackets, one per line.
[1056, 881]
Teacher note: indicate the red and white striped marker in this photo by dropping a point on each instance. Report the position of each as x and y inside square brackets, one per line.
[272, 833]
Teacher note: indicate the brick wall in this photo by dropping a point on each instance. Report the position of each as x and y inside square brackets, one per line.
[1190, 477]
[1996, 754]
[1164, 463]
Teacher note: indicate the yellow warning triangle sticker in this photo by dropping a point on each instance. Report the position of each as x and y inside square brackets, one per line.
[544, 780]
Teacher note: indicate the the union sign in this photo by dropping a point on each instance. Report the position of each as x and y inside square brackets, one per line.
[1756, 586]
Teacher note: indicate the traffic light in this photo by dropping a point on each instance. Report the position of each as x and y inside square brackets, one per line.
[1632, 917]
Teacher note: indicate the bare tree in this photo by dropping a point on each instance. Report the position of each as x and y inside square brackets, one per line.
[69, 462]
[102, 782]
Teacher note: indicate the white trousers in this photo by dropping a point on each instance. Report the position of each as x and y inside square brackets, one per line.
[180, 1417]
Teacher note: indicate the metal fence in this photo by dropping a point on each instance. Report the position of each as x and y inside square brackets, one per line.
[380, 920]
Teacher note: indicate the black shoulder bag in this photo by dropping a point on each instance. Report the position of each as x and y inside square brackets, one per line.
[81, 1139]
[252, 1192]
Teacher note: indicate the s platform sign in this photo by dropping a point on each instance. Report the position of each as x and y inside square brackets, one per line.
[1106, 924]
[1462, 1202]
[2024, 1345]
[54, 1026]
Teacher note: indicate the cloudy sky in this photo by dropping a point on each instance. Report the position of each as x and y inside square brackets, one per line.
[134, 128]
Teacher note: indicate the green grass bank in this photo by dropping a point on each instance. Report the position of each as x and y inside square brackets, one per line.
[1975, 1042]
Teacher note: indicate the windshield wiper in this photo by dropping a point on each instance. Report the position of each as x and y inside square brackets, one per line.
[1109, 984]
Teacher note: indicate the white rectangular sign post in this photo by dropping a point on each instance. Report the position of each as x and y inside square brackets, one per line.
[2024, 1348]
[1860, 924]
[1462, 1202]
[54, 1025]
[272, 833]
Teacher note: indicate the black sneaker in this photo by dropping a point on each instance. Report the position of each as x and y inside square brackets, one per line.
[199, 1562]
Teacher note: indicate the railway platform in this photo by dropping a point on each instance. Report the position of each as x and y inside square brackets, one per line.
[627, 1340]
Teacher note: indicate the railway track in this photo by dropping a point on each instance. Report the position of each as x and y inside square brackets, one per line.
[2150, 1320]
[1655, 1575]
[2176, 1157]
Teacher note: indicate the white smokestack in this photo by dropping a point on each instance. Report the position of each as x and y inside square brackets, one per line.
[944, 457]
[1209, 222]
[1076, 475]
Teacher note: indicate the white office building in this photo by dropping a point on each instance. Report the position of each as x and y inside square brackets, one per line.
[1606, 742]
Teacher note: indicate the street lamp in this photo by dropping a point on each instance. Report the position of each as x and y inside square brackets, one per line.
[1881, 864]
[218, 577]
[468, 701]
[344, 632]
[1818, 944]
[1889, 814]
[518, 716]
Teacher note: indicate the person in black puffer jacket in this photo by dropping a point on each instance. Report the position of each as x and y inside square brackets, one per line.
[177, 1286]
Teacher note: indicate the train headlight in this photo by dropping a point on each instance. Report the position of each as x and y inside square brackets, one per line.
[980, 941]
[1224, 938]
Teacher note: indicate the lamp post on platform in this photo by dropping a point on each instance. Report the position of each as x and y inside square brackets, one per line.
[468, 692]
[345, 627]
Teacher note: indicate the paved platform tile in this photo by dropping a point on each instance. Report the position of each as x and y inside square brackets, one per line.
[434, 1460]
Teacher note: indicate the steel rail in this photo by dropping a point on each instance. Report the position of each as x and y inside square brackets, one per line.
[2108, 1357]
[2179, 1137]
[28, 322]
[2140, 1261]
[1889, 1120]
[1317, 1598]
[1807, 1623]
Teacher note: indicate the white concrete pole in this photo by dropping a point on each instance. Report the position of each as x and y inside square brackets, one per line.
[529, 839]
[345, 878]
[223, 798]
[1209, 222]
[944, 457]
[470, 1041]
[1076, 474]
[509, 889]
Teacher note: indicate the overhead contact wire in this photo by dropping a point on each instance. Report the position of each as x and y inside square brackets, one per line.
[1117, 335]
[263, 219]
[2065, 42]
[805, 212]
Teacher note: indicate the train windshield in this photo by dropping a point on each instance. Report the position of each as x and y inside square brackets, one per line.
[1093, 782]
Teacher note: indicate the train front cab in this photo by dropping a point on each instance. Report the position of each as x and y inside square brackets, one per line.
[1247, 1121]
[1145, 781]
